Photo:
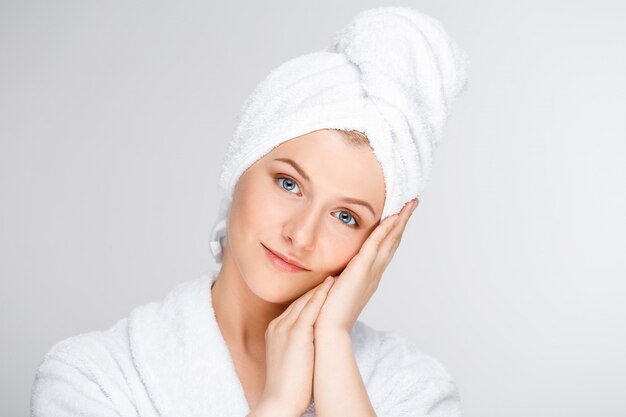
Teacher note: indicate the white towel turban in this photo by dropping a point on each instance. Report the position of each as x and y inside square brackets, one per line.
[391, 73]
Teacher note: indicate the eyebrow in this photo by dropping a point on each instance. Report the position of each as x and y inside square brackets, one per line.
[308, 179]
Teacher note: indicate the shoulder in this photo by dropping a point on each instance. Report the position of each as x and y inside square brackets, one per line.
[98, 372]
[92, 373]
[402, 378]
[90, 368]
[92, 350]
[111, 348]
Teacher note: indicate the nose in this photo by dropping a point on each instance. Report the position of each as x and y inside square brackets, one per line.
[301, 228]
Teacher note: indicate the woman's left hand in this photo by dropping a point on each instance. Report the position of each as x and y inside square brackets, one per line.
[354, 287]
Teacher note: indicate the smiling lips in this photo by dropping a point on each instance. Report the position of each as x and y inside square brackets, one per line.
[280, 263]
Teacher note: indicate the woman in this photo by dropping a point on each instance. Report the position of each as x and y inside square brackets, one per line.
[329, 150]
[289, 203]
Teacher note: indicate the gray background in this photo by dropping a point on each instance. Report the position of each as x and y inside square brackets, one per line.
[114, 117]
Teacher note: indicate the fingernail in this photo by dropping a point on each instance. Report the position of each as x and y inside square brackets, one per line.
[413, 205]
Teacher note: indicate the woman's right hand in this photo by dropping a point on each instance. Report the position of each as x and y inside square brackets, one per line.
[290, 351]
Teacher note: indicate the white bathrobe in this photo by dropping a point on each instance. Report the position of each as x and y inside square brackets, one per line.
[169, 359]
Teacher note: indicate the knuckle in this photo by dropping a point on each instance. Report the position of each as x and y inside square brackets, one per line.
[281, 327]
[275, 325]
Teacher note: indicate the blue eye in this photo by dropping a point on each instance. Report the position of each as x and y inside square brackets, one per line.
[288, 184]
[350, 216]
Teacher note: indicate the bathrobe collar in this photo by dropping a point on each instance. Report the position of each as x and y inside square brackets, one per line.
[182, 357]
[183, 360]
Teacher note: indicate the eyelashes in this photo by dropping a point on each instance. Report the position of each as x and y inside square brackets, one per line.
[291, 180]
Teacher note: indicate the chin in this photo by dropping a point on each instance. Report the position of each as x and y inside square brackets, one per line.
[273, 285]
[269, 288]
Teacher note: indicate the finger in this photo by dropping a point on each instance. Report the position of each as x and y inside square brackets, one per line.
[297, 304]
[369, 249]
[377, 236]
[302, 302]
[403, 218]
[391, 242]
[368, 253]
[311, 310]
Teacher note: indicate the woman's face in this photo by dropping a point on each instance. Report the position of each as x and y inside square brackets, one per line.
[306, 219]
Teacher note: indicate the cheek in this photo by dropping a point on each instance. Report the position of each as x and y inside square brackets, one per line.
[245, 215]
[256, 203]
[337, 253]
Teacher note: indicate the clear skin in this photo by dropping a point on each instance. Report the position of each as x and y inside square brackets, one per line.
[269, 317]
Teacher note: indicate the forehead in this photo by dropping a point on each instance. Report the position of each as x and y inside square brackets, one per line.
[327, 148]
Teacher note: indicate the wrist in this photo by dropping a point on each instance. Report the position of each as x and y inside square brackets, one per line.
[331, 333]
